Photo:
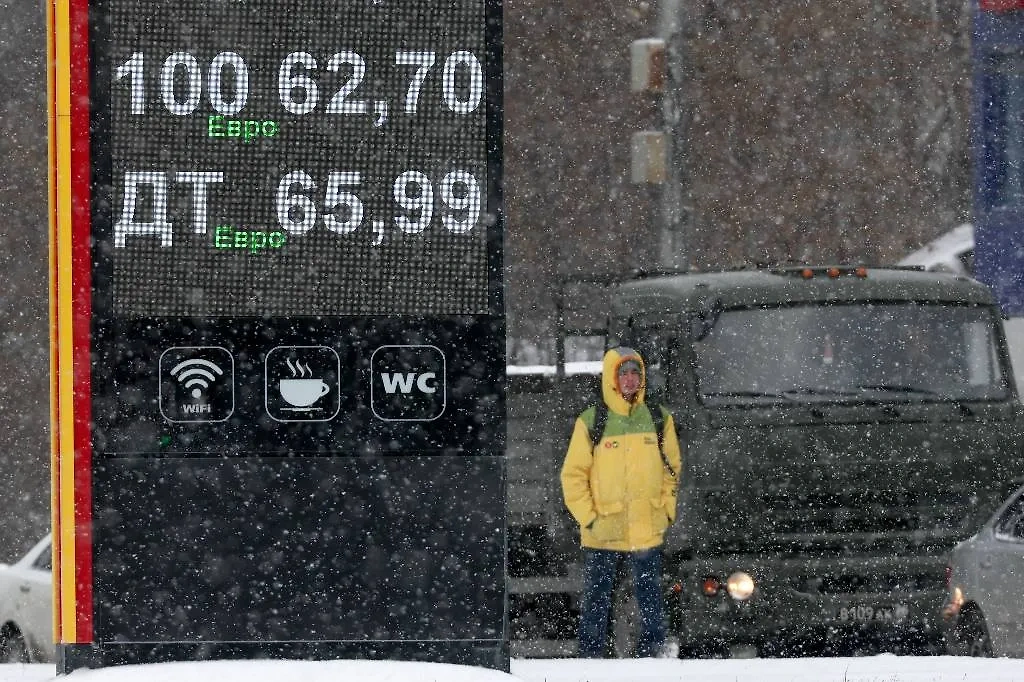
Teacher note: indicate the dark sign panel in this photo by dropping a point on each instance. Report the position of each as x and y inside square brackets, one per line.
[303, 158]
[297, 331]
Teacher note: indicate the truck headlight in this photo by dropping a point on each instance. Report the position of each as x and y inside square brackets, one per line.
[740, 586]
[951, 609]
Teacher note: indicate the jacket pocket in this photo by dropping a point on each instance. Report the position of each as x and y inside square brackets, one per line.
[610, 527]
[659, 517]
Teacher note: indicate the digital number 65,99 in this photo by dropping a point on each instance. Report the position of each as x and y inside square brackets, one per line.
[412, 191]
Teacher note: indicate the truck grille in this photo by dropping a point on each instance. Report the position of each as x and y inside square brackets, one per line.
[834, 523]
[869, 582]
[861, 511]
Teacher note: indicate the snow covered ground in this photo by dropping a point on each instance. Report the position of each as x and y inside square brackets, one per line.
[867, 669]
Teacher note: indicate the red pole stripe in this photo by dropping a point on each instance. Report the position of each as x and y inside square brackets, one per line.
[81, 276]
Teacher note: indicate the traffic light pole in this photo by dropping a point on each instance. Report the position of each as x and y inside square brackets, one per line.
[675, 243]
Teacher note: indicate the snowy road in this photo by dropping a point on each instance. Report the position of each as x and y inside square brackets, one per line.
[867, 669]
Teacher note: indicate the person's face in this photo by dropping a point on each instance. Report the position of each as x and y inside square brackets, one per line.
[629, 383]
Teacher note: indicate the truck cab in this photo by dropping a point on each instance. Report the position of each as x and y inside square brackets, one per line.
[842, 429]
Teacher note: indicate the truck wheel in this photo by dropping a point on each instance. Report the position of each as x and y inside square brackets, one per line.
[972, 634]
[703, 650]
[625, 620]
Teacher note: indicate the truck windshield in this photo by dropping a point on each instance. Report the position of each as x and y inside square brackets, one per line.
[838, 352]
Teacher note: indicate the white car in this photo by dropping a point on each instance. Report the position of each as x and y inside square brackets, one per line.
[26, 611]
[984, 612]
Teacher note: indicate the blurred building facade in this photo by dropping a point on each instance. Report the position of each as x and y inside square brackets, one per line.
[809, 131]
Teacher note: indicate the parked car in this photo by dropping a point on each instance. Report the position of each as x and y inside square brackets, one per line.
[26, 612]
[984, 613]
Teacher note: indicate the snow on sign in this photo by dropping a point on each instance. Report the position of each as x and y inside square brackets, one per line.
[278, 330]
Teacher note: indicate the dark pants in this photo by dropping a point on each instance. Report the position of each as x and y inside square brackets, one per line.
[599, 568]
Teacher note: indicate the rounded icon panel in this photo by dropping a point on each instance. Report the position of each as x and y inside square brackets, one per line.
[407, 383]
[302, 383]
[197, 384]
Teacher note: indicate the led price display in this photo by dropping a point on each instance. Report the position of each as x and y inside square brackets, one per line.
[312, 157]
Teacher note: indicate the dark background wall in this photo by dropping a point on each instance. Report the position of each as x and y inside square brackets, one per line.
[24, 323]
[828, 131]
[815, 132]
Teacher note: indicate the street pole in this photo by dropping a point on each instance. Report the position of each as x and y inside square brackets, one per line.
[676, 20]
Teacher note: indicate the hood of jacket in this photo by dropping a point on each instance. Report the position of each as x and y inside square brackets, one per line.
[610, 379]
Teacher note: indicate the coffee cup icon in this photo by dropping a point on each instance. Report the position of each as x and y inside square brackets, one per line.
[303, 392]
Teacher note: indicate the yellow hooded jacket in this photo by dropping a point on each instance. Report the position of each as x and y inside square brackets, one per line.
[620, 492]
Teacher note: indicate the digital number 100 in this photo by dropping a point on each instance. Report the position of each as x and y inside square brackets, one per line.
[226, 81]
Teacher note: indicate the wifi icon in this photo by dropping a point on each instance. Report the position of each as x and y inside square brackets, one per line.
[196, 374]
[197, 384]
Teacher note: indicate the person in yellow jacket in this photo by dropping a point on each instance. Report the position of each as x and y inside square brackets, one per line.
[623, 495]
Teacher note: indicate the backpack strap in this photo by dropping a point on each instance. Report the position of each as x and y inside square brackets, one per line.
[657, 416]
[600, 421]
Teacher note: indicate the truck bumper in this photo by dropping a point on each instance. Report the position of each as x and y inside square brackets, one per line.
[822, 603]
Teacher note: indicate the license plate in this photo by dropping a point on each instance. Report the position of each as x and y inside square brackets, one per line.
[864, 613]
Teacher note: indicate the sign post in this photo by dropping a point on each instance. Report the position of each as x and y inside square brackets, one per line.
[278, 319]
[996, 130]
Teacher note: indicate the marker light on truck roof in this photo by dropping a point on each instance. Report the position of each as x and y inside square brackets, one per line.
[710, 586]
[834, 272]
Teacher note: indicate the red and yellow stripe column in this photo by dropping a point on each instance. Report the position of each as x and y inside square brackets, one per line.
[70, 318]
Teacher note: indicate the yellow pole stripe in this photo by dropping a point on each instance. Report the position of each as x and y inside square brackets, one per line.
[52, 255]
[65, 310]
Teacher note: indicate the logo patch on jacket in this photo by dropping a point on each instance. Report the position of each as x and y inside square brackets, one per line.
[611, 444]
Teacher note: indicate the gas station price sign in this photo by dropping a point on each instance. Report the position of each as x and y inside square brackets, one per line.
[278, 330]
[302, 158]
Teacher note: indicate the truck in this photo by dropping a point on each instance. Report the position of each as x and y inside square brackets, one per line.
[842, 428]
